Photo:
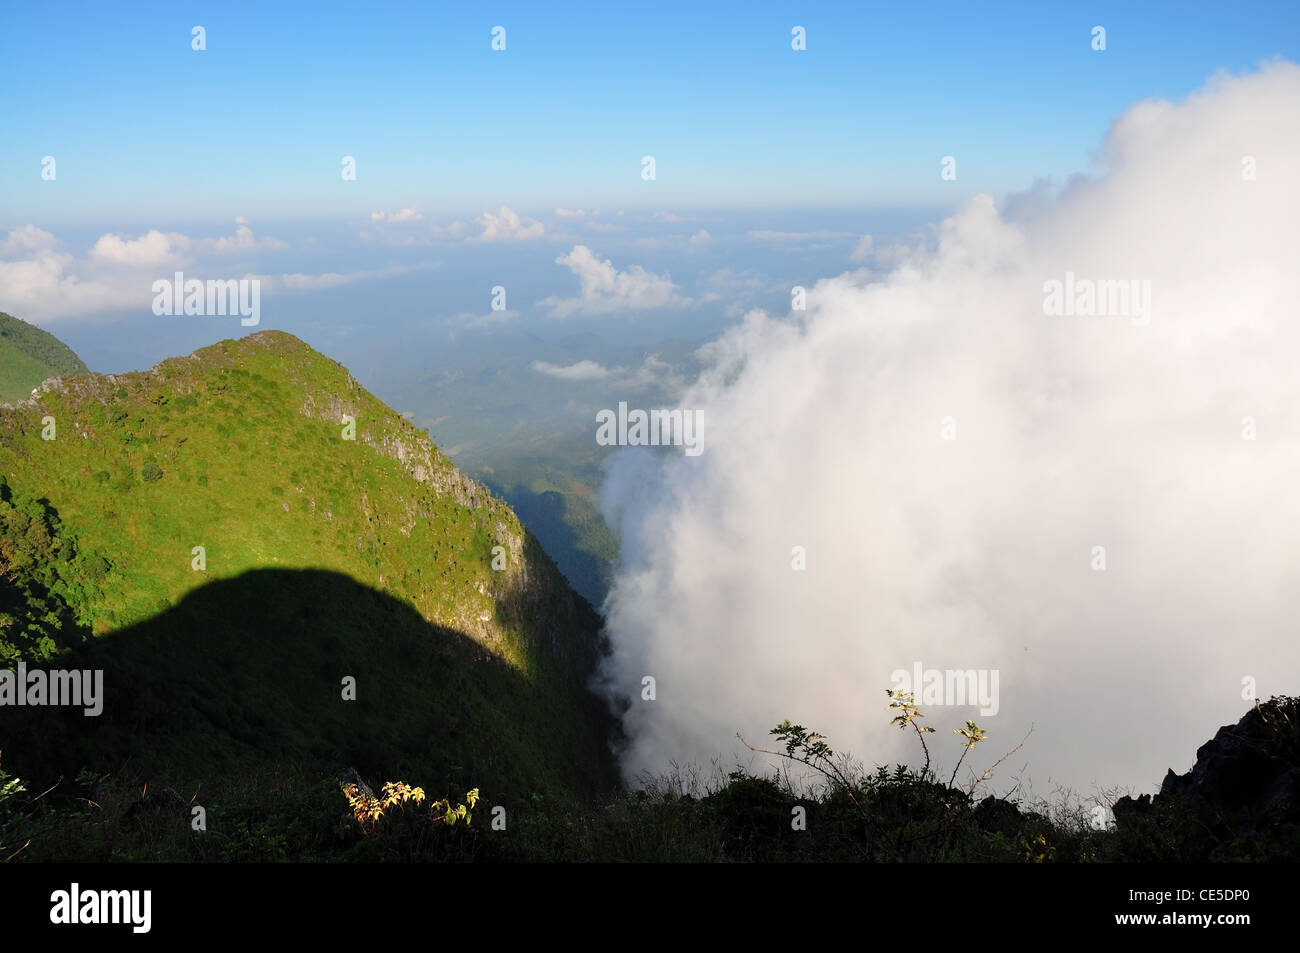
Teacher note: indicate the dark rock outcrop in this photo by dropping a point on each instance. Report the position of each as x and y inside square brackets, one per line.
[997, 815]
[351, 783]
[1243, 791]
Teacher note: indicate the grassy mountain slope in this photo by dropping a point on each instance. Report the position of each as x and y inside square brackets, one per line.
[28, 356]
[323, 557]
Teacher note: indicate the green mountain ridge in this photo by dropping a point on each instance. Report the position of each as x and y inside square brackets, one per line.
[29, 356]
[336, 541]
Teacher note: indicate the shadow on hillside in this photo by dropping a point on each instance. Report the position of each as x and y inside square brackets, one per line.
[249, 671]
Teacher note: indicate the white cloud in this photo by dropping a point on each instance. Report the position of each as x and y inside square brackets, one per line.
[862, 251]
[155, 248]
[570, 213]
[506, 225]
[605, 290]
[407, 234]
[28, 239]
[824, 430]
[241, 241]
[698, 240]
[41, 283]
[47, 287]
[405, 215]
[150, 249]
[581, 371]
[652, 372]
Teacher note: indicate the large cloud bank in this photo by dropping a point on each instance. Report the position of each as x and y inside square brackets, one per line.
[950, 457]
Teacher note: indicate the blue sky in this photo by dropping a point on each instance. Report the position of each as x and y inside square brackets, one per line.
[147, 131]
[522, 168]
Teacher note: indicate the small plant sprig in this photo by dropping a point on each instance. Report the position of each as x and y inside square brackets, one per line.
[908, 712]
[973, 734]
[810, 748]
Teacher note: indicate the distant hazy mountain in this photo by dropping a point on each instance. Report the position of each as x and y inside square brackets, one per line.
[28, 356]
[337, 543]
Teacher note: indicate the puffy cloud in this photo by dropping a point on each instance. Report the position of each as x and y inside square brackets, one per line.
[40, 282]
[27, 240]
[152, 248]
[45, 287]
[862, 250]
[570, 213]
[827, 430]
[506, 225]
[171, 248]
[605, 290]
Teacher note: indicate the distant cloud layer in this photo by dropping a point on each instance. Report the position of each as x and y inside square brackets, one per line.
[811, 239]
[580, 371]
[404, 215]
[503, 225]
[949, 457]
[40, 282]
